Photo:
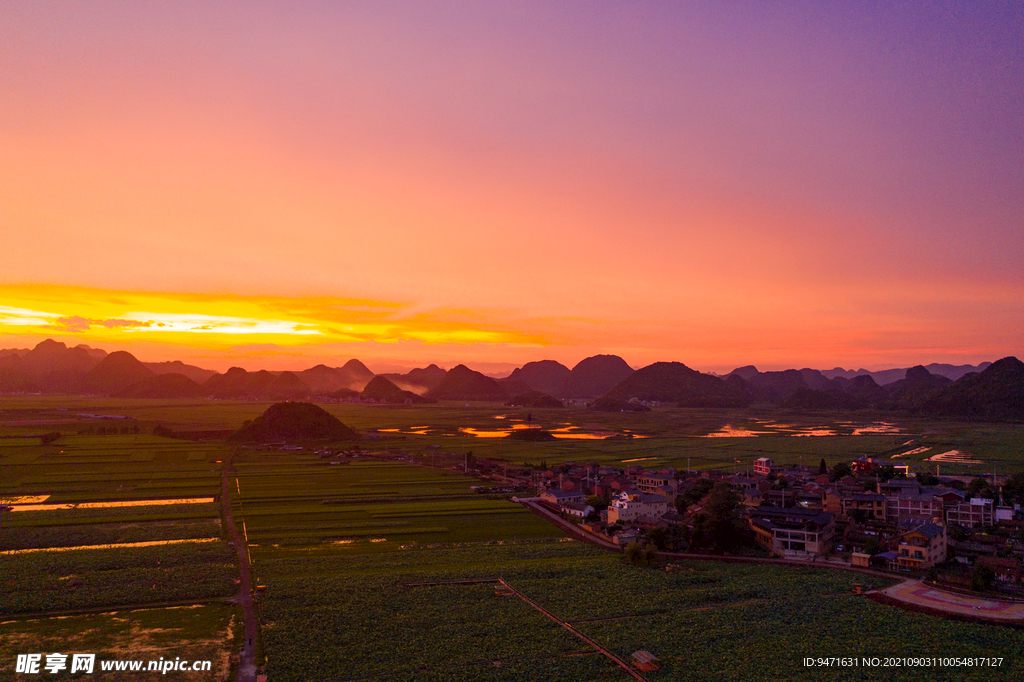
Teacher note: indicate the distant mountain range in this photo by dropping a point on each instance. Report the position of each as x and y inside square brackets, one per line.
[989, 391]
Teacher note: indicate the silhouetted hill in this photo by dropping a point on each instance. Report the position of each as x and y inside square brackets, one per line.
[163, 386]
[13, 378]
[418, 380]
[293, 421]
[462, 383]
[888, 376]
[114, 373]
[595, 376]
[816, 380]
[53, 367]
[996, 394]
[546, 376]
[534, 399]
[381, 389]
[914, 391]
[514, 386]
[743, 372]
[238, 383]
[284, 386]
[196, 374]
[225, 385]
[51, 356]
[674, 382]
[355, 374]
[427, 377]
[862, 387]
[323, 379]
[770, 387]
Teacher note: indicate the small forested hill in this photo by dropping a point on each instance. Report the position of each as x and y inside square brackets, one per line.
[114, 373]
[996, 394]
[293, 421]
[462, 383]
[383, 390]
[674, 382]
[595, 376]
[163, 386]
[546, 376]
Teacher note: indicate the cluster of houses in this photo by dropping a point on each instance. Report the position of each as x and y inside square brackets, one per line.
[797, 512]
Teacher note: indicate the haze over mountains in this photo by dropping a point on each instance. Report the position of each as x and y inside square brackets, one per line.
[993, 391]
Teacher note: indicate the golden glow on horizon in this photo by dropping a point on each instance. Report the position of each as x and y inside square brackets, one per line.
[211, 321]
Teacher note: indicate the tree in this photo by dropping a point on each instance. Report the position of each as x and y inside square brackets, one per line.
[873, 547]
[639, 555]
[925, 478]
[979, 487]
[822, 468]
[885, 473]
[1013, 489]
[658, 537]
[667, 539]
[982, 577]
[597, 502]
[717, 527]
[840, 470]
[694, 494]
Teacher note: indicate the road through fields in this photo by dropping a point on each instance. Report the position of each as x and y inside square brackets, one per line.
[247, 667]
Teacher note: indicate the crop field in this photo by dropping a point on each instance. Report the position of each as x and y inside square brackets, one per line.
[704, 621]
[71, 573]
[710, 439]
[334, 545]
[366, 505]
[206, 632]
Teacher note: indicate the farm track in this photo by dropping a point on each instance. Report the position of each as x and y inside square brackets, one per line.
[247, 665]
[117, 608]
[565, 624]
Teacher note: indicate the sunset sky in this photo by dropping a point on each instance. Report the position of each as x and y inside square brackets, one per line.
[275, 185]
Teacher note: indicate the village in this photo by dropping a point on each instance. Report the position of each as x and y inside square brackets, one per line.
[866, 513]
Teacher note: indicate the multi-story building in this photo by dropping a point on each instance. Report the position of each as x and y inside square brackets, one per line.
[922, 547]
[628, 506]
[979, 511]
[762, 466]
[872, 504]
[658, 484]
[558, 496]
[910, 504]
[793, 532]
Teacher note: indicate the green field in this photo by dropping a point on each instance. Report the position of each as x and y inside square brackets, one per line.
[207, 632]
[707, 621]
[334, 543]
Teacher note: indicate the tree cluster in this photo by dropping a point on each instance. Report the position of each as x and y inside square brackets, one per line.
[718, 527]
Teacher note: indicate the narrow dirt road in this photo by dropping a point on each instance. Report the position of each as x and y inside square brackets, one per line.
[247, 666]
